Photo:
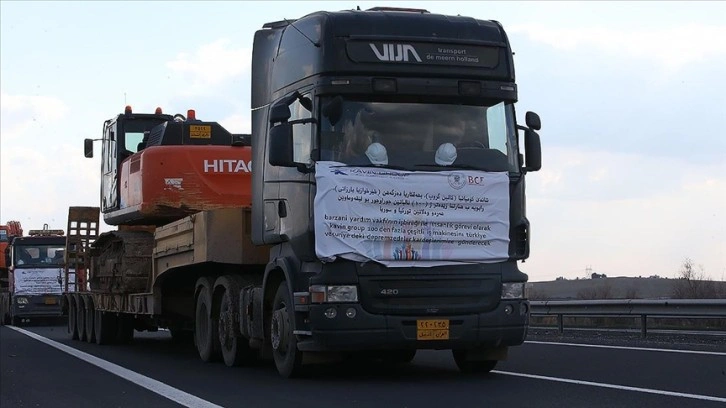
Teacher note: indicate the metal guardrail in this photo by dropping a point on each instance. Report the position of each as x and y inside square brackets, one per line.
[666, 308]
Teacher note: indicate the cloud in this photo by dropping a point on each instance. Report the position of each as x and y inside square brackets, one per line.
[212, 64]
[237, 123]
[671, 47]
[624, 214]
[22, 113]
[42, 171]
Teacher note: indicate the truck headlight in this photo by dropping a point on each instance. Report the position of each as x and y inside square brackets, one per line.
[21, 300]
[513, 290]
[333, 293]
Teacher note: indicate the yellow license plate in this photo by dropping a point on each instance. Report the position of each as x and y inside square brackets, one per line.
[51, 301]
[200, 132]
[430, 329]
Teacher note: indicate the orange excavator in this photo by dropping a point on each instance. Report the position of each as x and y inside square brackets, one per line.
[7, 232]
[155, 169]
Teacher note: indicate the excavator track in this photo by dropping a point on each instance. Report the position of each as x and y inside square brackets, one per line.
[121, 262]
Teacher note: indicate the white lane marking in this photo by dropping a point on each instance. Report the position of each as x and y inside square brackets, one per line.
[614, 386]
[551, 343]
[167, 391]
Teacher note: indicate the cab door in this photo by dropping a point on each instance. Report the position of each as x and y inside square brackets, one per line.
[109, 169]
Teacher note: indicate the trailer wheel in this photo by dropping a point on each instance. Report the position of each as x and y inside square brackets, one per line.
[104, 327]
[80, 312]
[205, 327]
[472, 367]
[89, 318]
[288, 359]
[72, 323]
[235, 349]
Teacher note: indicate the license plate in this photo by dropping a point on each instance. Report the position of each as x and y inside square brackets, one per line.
[51, 301]
[429, 329]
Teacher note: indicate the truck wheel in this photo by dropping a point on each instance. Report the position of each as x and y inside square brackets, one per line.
[205, 327]
[80, 311]
[472, 367]
[89, 318]
[124, 329]
[105, 327]
[235, 350]
[72, 324]
[288, 359]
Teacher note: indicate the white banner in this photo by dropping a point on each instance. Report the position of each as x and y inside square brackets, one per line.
[38, 281]
[401, 218]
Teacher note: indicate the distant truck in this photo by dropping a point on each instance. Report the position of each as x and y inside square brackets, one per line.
[378, 206]
[35, 265]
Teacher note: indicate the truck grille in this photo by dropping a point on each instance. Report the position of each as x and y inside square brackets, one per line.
[429, 295]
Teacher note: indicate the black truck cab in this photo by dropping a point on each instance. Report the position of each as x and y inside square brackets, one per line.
[393, 95]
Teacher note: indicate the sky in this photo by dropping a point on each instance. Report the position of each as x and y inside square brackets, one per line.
[631, 95]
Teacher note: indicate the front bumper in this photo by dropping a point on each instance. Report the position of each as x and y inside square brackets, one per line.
[367, 331]
[38, 306]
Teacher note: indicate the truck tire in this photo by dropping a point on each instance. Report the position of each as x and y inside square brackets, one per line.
[105, 327]
[235, 348]
[72, 324]
[206, 331]
[467, 366]
[288, 359]
[80, 311]
[89, 318]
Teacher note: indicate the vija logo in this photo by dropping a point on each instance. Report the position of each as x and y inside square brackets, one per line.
[395, 52]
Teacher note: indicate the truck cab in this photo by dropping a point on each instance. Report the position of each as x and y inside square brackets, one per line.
[36, 275]
[389, 174]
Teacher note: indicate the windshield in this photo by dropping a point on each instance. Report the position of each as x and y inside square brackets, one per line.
[418, 136]
[136, 133]
[39, 255]
[3, 236]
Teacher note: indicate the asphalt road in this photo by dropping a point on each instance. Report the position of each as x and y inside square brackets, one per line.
[36, 374]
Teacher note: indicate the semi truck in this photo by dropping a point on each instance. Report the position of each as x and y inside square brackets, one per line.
[378, 206]
[35, 271]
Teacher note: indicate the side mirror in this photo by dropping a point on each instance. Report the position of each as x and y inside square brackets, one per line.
[88, 148]
[333, 110]
[532, 121]
[307, 103]
[281, 148]
[280, 113]
[533, 150]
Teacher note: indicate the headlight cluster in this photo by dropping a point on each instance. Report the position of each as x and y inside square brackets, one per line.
[333, 293]
[514, 290]
[21, 300]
